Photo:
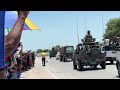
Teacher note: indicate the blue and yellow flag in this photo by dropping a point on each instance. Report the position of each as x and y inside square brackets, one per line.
[11, 18]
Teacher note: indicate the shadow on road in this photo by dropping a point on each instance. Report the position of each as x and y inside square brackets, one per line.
[117, 77]
[110, 64]
[91, 69]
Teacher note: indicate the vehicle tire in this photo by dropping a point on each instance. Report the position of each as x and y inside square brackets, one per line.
[50, 56]
[74, 65]
[95, 66]
[118, 68]
[119, 71]
[111, 61]
[64, 60]
[80, 66]
[61, 59]
[103, 64]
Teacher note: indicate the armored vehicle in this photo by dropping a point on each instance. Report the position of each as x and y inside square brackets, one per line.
[88, 53]
[66, 53]
[52, 52]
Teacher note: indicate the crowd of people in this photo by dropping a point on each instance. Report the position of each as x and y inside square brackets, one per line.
[19, 61]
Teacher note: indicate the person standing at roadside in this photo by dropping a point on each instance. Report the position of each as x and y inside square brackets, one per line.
[43, 54]
[107, 43]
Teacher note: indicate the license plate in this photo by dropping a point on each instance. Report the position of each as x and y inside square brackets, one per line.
[93, 63]
[113, 52]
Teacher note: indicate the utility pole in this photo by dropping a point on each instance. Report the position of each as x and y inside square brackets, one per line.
[85, 24]
[77, 30]
[103, 26]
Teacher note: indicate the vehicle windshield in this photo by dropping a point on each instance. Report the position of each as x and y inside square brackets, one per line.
[69, 49]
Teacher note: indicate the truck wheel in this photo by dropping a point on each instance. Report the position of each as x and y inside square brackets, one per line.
[118, 68]
[95, 66]
[103, 65]
[111, 61]
[119, 71]
[61, 59]
[80, 66]
[74, 65]
[64, 59]
[50, 56]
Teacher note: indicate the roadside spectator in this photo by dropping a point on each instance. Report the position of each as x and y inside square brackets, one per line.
[43, 58]
[107, 43]
[33, 58]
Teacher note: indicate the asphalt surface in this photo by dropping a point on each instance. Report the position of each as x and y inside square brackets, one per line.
[64, 70]
[55, 69]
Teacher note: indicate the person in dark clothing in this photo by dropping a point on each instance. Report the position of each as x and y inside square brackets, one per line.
[88, 37]
[24, 62]
[33, 58]
[28, 59]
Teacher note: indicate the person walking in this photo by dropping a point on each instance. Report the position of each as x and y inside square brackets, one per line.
[43, 58]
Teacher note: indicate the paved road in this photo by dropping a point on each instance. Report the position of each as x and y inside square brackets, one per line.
[55, 69]
[64, 70]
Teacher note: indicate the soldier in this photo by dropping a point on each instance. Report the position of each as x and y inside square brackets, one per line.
[88, 36]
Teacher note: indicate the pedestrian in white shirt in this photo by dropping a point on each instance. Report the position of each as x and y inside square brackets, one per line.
[107, 43]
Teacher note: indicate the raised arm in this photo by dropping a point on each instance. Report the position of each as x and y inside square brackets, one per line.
[13, 38]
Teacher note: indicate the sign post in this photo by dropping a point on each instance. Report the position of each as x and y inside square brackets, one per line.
[2, 51]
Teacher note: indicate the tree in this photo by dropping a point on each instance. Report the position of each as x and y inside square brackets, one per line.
[113, 28]
[46, 50]
[39, 51]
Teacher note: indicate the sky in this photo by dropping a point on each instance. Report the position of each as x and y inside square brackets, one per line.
[60, 28]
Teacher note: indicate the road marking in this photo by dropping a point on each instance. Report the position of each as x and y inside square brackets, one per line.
[51, 74]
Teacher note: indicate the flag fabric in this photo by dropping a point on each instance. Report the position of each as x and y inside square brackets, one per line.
[11, 18]
[2, 53]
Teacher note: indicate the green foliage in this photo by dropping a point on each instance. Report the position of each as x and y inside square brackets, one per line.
[113, 29]
[39, 50]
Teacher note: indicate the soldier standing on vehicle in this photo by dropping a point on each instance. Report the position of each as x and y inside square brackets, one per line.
[88, 36]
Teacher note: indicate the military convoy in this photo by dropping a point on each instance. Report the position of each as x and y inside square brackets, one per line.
[88, 53]
[66, 53]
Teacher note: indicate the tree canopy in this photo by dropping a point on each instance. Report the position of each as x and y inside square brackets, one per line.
[113, 28]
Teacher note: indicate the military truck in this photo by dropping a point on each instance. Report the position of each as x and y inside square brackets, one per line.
[88, 53]
[66, 53]
[52, 52]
